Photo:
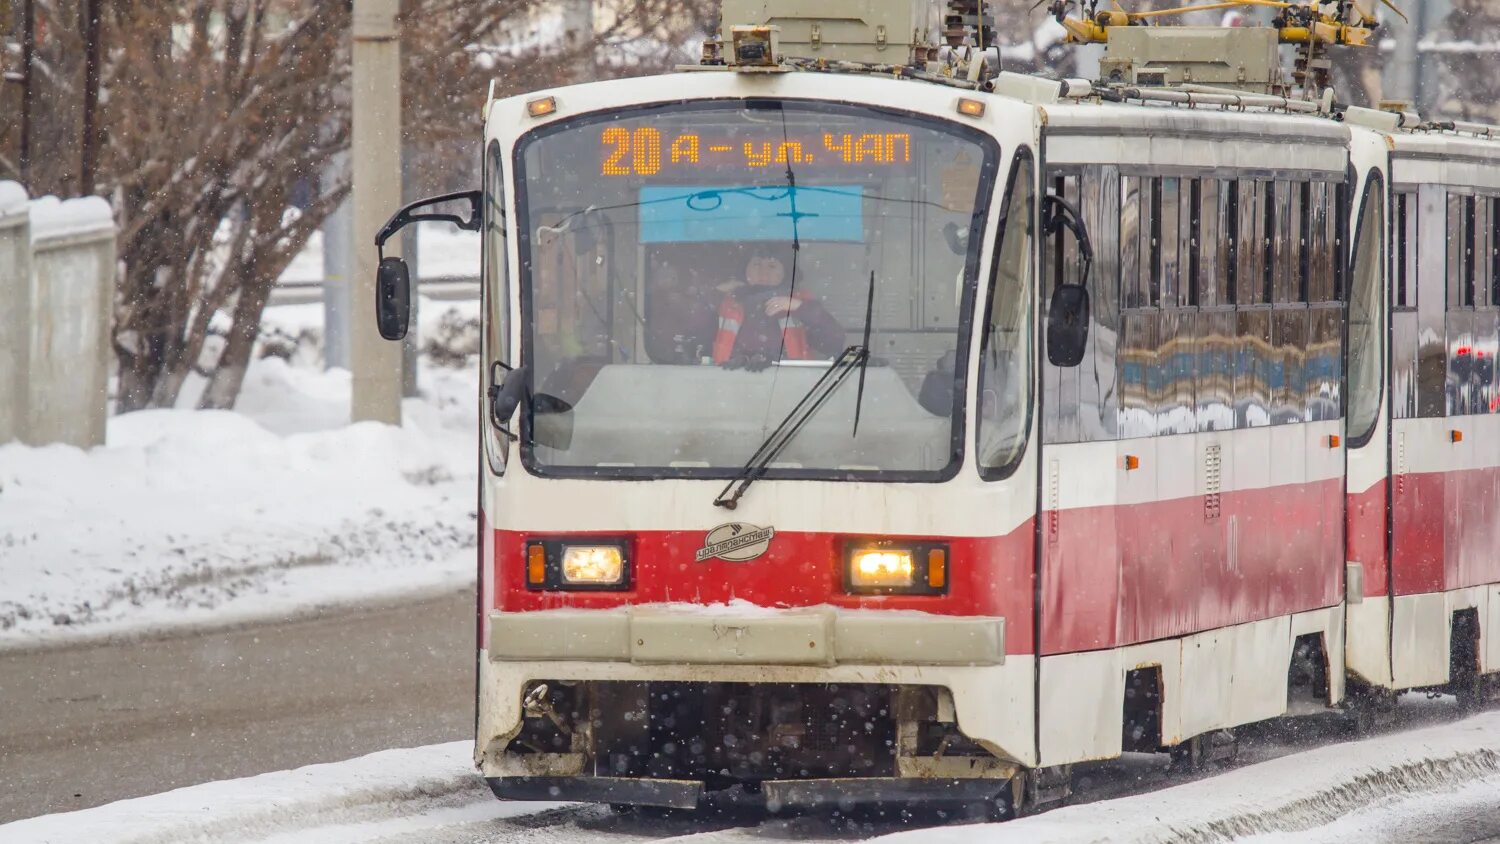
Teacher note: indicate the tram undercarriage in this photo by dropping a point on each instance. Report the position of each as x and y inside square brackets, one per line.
[778, 745]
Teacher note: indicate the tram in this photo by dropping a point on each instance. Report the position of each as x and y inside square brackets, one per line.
[864, 424]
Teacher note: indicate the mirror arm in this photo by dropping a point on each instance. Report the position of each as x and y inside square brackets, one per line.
[407, 215]
[1069, 219]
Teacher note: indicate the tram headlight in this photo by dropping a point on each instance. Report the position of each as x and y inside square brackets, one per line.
[880, 568]
[886, 568]
[593, 565]
[581, 565]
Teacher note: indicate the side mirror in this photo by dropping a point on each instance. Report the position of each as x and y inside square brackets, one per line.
[506, 396]
[552, 418]
[1068, 313]
[1068, 325]
[393, 298]
[393, 278]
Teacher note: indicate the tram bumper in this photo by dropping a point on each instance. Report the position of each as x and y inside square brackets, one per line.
[776, 795]
[814, 636]
[942, 713]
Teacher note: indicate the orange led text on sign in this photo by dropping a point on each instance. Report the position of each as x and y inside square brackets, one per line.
[644, 151]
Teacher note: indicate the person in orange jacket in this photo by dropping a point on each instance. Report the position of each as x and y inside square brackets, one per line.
[762, 319]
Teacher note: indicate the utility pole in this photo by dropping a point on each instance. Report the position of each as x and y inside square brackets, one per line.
[28, 60]
[376, 150]
[338, 271]
[578, 26]
[89, 166]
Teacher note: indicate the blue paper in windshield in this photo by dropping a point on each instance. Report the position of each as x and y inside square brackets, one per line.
[690, 214]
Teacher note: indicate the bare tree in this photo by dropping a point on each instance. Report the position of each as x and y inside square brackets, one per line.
[1465, 48]
[219, 120]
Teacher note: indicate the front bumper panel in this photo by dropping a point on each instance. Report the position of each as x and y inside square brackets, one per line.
[671, 635]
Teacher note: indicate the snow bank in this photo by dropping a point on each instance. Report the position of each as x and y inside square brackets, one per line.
[1338, 792]
[343, 801]
[1301, 793]
[189, 517]
[12, 198]
[52, 218]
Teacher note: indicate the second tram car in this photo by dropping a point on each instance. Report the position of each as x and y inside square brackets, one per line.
[851, 437]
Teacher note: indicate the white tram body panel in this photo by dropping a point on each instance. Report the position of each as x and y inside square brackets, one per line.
[1445, 434]
[991, 698]
[1157, 495]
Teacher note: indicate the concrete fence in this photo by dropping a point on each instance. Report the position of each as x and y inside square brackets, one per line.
[57, 281]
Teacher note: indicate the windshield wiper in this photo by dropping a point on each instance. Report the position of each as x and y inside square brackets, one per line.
[811, 402]
[859, 397]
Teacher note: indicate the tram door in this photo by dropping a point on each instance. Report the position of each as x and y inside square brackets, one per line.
[1367, 437]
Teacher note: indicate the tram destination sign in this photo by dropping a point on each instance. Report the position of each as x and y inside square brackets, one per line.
[647, 151]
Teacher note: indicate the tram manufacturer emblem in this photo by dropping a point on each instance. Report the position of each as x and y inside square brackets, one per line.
[736, 542]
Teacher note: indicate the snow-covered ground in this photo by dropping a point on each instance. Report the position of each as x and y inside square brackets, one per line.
[443, 251]
[280, 506]
[1398, 787]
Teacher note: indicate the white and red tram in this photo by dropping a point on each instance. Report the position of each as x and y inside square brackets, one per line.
[957, 526]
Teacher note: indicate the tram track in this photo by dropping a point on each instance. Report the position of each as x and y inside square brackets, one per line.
[1132, 774]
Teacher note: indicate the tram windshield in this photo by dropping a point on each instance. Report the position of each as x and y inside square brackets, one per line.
[689, 272]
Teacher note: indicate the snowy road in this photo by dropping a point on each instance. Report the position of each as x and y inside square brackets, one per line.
[1438, 783]
[87, 724]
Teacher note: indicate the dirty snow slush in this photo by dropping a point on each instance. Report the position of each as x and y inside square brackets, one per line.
[1435, 782]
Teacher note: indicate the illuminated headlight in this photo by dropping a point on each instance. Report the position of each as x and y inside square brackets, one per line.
[595, 565]
[553, 565]
[880, 569]
[908, 568]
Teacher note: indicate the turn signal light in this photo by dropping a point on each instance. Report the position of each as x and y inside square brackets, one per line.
[1333, 440]
[1132, 462]
[536, 565]
[937, 568]
[1456, 436]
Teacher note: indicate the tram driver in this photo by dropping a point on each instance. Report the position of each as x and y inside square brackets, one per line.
[763, 317]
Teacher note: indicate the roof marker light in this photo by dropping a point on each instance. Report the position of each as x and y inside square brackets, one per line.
[971, 108]
[541, 107]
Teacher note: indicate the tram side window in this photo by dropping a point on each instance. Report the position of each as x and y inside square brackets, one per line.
[1168, 241]
[1208, 244]
[1251, 270]
[1479, 252]
[1135, 216]
[1493, 259]
[1405, 253]
[1321, 258]
[1472, 318]
[1287, 243]
[1366, 334]
[1005, 362]
[1407, 243]
[1459, 322]
[496, 292]
[1230, 294]
[1460, 251]
[1484, 332]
